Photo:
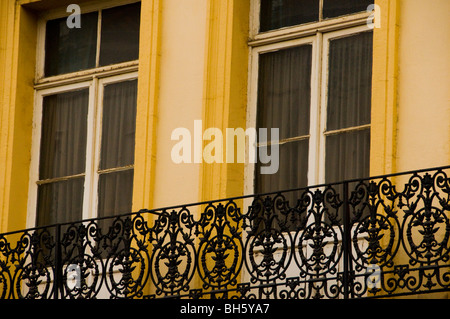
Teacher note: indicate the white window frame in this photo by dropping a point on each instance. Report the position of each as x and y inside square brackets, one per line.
[97, 151]
[93, 79]
[93, 142]
[318, 34]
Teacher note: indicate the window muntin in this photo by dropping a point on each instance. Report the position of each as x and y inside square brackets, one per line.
[75, 49]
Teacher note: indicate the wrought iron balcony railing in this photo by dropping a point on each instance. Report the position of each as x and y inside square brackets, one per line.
[377, 237]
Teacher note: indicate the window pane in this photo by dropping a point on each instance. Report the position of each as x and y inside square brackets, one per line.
[115, 191]
[60, 202]
[350, 81]
[284, 91]
[118, 124]
[292, 172]
[276, 14]
[120, 34]
[63, 137]
[70, 49]
[335, 8]
[347, 156]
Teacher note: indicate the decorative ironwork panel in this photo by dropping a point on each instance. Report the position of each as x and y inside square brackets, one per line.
[376, 237]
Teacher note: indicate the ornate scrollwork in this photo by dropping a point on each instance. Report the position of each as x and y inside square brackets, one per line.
[376, 222]
[34, 264]
[173, 256]
[220, 245]
[426, 224]
[86, 262]
[379, 237]
[268, 246]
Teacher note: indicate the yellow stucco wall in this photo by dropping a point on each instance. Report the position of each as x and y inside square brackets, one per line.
[180, 96]
[384, 89]
[17, 65]
[225, 90]
[423, 129]
[410, 96]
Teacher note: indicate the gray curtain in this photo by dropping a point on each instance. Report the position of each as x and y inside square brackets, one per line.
[349, 105]
[60, 202]
[115, 188]
[63, 154]
[284, 93]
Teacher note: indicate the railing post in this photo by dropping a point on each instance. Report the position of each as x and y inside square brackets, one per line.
[58, 263]
[346, 243]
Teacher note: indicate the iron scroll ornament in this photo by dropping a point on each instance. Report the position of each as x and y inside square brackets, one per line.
[376, 237]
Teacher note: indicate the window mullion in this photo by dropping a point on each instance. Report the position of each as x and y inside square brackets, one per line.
[58, 179]
[99, 35]
[89, 183]
[315, 114]
[115, 169]
[320, 10]
[323, 106]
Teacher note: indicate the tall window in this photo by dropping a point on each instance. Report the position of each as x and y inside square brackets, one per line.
[85, 115]
[311, 78]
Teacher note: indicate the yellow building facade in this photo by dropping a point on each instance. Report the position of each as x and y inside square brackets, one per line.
[195, 63]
